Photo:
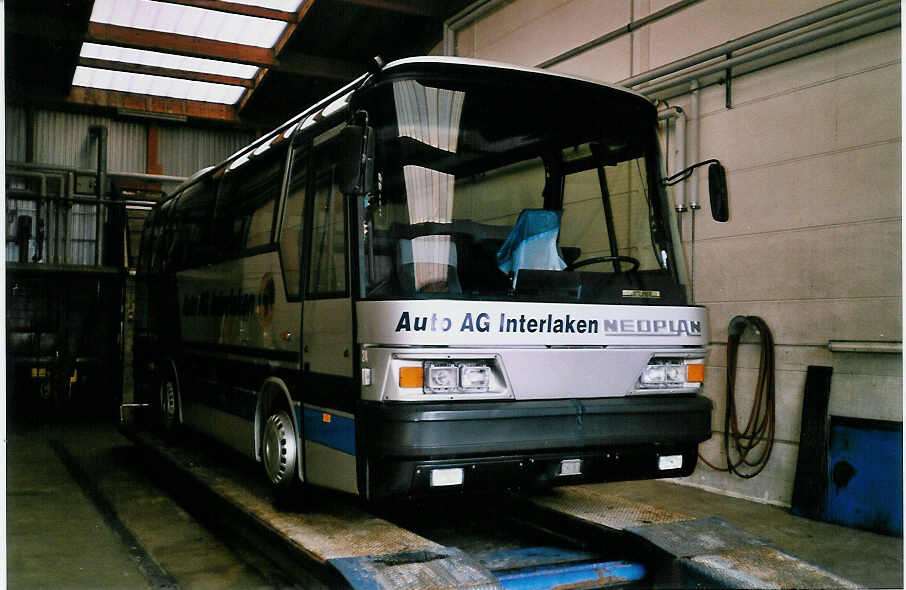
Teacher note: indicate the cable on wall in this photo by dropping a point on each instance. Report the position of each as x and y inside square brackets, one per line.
[749, 449]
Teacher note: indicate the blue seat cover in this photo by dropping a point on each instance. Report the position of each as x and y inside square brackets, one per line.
[532, 243]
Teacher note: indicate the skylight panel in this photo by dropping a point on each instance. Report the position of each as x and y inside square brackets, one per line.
[284, 5]
[156, 85]
[167, 60]
[190, 21]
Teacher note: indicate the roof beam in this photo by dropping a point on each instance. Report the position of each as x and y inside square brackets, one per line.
[121, 66]
[152, 104]
[429, 8]
[306, 65]
[291, 28]
[236, 8]
[179, 44]
[247, 95]
[278, 49]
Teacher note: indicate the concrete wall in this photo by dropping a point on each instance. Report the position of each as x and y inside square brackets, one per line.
[812, 151]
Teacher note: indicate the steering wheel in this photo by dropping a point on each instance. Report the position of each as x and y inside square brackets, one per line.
[599, 259]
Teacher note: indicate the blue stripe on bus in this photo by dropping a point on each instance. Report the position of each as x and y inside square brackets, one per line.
[330, 430]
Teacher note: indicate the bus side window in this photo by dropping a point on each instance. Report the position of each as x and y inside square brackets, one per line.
[244, 215]
[162, 236]
[291, 236]
[147, 242]
[173, 237]
[193, 228]
[327, 269]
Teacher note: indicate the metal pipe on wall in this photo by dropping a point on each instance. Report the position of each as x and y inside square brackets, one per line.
[694, 115]
[694, 205]
[101, 133]
[67, 184]
[51, 222]
[881, 9]
[42, 178]
[825, 31]
[679, 197]
[476, 11]
[679, 115]
[624, 30]
[151, 177]
[110, 173]
[70, 192]
[58, 239]
[747, 40]
[50, 217]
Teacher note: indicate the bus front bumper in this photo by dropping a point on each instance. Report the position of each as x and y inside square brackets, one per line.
[422, 449]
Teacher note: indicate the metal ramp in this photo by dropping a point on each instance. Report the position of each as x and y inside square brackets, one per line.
[709, 551]
[358, 549]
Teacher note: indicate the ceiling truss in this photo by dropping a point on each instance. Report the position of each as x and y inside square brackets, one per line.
[284, 58]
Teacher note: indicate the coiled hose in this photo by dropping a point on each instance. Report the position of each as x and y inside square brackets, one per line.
[748, 451]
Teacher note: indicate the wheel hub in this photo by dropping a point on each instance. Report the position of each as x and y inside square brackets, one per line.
[168, 403]
[279, 449]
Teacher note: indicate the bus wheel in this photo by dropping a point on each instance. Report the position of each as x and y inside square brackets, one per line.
[280, 451]
[169, 403]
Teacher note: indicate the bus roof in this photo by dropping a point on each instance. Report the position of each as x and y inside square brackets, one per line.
[425, 65]
[440, 63]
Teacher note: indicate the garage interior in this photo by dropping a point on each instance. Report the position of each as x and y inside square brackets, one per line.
[112, 104]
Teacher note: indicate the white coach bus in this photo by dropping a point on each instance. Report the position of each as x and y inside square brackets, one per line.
[450, 275]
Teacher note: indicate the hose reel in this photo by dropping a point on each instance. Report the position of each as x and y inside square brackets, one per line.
[748, 449]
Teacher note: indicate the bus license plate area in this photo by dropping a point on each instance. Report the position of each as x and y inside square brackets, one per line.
[570, 467]
[446, 477]
[669, 462]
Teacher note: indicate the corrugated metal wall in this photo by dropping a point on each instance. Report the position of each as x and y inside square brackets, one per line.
[183, 151]
[62, 139]
[15, 134]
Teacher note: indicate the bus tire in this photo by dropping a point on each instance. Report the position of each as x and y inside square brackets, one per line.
[168, 414]
[280, 454]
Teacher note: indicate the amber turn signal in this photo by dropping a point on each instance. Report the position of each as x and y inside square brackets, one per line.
[412, 376]
[695, 373]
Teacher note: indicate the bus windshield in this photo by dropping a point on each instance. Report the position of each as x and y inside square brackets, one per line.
[516, 191]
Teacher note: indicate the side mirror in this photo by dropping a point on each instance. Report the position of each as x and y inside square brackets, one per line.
[356, 169]
[717, 189]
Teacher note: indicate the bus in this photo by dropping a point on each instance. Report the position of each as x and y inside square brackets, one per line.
[450, 275]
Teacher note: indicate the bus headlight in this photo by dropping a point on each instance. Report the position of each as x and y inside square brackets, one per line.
[653, 376]
[675, 373]
[667, 373]
[475, 377]
[472, 376]
[441, 377]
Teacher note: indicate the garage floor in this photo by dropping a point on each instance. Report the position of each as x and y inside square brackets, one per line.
[81, 514]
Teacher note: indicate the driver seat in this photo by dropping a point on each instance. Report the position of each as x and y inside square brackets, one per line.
[532, 243]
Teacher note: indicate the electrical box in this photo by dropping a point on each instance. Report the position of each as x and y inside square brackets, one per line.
[86, 185]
